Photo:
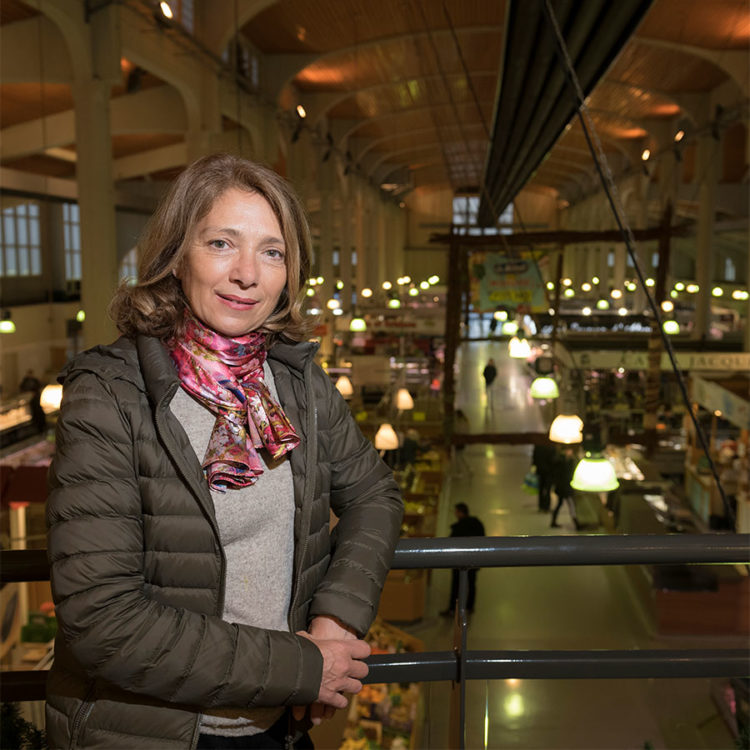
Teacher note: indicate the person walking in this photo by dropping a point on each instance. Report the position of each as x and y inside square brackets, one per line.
[563, 470]
[543, 458]
[465, 525]
[489, 374]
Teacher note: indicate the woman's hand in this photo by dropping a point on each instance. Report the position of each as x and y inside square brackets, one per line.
[343, 667]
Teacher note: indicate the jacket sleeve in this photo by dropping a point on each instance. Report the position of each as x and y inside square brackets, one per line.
[367, 501]
[96, 550]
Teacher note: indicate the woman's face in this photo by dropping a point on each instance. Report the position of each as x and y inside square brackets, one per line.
[235, 270]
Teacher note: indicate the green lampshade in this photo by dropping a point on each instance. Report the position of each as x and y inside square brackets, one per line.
[671, 327]
[594, 473]
[394, 303]
[544, 387]
[602, 304]
[358, 325]
[510, 328]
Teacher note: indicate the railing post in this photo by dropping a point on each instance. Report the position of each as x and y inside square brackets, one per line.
[457, 728]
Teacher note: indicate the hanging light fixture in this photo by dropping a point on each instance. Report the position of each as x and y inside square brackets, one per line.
[594, 473]
[519, 348]
[671, 327]
[509, 328]
[344, 387]
[80, 316]
[544, 387]
[357, 324]
[404, 401]
[394, 303]
[500, 315]
[51, 398]
[6, 324]
[567, 429]
[386, 438]
[602, 304]
[366, 292]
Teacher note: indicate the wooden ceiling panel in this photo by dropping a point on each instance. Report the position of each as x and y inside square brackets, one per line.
[419, 119]
[42, 165]
[320, 26]
[665, 70]
[631, 102]
[23, 102]
[718, 24]
[126, 145]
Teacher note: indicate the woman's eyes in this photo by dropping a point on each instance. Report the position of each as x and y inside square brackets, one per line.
[274, 252]
[219, 244]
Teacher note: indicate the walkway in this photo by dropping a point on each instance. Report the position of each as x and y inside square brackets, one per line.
[538, 608]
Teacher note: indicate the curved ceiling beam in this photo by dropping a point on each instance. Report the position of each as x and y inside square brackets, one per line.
[371, 165]
[417, 133]
[735, 63]
[289, 71]
[21, 58]
[687, 102]
[318, 103]
[353, 125]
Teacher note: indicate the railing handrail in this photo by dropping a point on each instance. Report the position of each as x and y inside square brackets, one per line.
[474, 552]
[505, 551]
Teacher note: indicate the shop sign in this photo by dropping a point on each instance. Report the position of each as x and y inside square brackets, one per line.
[509, 282]
[687, 361]
[713, 397]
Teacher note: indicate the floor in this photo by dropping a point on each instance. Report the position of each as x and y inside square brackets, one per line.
[548, 608]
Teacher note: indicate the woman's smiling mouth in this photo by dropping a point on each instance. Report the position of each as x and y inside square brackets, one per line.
[238, 303]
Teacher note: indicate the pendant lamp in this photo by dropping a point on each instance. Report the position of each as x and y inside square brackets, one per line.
[344, 387]
[50, 398]
[519, 348]
[386, 438]
[357, 324]
[404, 401]
[544, 387]
[567, 429]
[671, 327]
[594, 473]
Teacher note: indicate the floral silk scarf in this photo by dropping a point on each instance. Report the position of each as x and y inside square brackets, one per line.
[226, 375]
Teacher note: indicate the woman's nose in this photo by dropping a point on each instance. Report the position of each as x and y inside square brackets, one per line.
[245, 269]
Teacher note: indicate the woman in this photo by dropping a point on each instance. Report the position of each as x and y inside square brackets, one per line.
[199, 592]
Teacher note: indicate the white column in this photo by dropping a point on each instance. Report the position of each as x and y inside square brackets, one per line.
[91, 95]
[708, 162]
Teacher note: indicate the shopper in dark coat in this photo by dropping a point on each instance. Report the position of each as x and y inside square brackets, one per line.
[563, 470]
[465, 525]
[174, 630]
[543, 458]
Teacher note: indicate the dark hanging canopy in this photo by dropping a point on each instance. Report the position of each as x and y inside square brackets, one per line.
[536, 101]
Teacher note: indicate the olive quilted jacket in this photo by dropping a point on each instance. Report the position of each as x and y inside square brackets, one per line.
[138, 570]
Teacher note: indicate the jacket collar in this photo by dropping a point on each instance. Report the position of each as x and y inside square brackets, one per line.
[159, 374]
[294, 356]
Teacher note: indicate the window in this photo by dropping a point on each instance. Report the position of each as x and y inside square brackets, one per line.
[730, 270]
[72, 241]
[20, 240]
[129, 266]
[465, 210]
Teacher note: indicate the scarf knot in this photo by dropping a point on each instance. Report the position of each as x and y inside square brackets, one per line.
[226, 376]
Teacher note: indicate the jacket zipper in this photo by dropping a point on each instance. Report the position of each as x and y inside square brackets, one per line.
[309, 491]
[81, 715]
[161, 432]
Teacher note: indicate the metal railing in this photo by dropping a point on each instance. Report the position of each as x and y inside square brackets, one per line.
[460, 664]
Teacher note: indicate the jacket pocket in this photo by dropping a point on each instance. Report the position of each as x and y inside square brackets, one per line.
[82, 714]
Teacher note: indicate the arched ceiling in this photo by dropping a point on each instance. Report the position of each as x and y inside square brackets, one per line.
[411, 89]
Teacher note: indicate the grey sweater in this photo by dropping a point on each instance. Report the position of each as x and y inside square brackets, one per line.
[256, 526]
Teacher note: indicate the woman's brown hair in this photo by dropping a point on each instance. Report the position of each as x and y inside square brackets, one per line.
[155, 305]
